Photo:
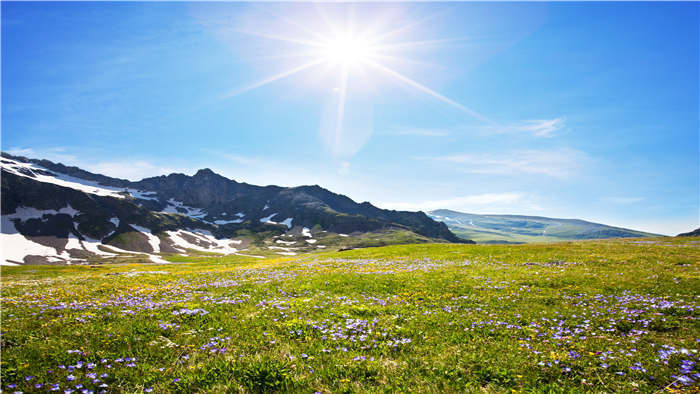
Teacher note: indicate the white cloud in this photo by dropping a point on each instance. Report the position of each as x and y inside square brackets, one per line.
[344, 168]
[554, 163]
[458, 203]
[55, 154]
[622, 200]
[535, 127]
[243, 160]
[131, 169]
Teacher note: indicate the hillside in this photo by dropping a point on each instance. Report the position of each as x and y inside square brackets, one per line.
[56, 214]
[694, 233]
[524, 229]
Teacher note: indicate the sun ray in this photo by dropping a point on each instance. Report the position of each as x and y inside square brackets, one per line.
[402, 60]
[296, 55]
[417, 44]
[342, 94]
[408, 26]
[280, 38]
[329, 25]
[274, 78]
[291, 22]
[427, 90]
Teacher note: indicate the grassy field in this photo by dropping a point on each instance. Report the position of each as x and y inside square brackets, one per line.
[596, 316]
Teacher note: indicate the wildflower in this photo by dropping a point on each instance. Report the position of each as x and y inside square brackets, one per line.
[70, 378]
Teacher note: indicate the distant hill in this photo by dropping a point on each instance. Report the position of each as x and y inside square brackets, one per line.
[694, 233]
[52, 213]
[524, 229]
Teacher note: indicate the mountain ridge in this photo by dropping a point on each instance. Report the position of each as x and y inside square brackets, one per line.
[693, 233]
[67, 208]
[508, 228]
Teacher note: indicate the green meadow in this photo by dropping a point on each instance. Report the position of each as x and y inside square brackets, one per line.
[595, 316]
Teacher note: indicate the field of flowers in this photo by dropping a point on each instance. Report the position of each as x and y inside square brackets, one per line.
[598, 316]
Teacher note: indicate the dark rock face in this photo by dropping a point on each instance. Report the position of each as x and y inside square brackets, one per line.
[694, 233]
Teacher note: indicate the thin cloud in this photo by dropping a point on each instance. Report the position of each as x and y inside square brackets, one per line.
[56, 154]
[623, 200]
[344, 168]
[131, 169]
[243, 160]
[535, 127]
[481, 200]
[554, 163]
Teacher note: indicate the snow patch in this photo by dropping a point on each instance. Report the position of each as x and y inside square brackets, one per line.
[306, 232]
[311, 241]
[219, 245]
[195, 213]
[250, 255]
[279, 241]
[143, 194]
[228, 221]
[25, 169]
[91, 245]
[152, 239]
[115, 221]
[73, 242]
[285, 250]
[26, 213]
[267, 220]
[158, 259]
[16, 246]
[343, 235]
[287, 222]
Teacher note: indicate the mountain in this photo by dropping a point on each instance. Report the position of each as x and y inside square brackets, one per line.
[694, 233]
[523, 229]
[52, 213]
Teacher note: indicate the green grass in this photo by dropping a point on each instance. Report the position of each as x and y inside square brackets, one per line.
[594, 316]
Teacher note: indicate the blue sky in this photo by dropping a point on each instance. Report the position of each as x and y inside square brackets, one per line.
[578, 110]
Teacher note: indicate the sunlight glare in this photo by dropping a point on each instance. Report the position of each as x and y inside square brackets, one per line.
[347, 50]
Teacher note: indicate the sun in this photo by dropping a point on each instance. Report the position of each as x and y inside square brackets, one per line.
[347, 50]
